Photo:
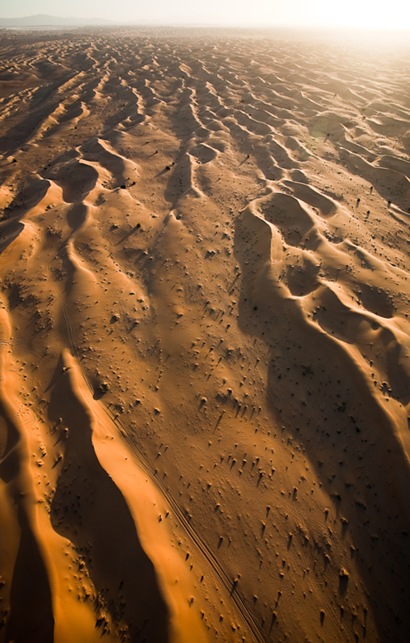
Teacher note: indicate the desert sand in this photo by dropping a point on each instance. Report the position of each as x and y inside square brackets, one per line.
[204, 337]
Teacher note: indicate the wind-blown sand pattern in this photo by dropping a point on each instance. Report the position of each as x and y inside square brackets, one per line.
[204, 338]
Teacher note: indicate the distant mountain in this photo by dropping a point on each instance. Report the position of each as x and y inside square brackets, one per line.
[44, 20]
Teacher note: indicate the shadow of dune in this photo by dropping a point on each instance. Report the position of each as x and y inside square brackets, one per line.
[30, 618]
[31, 614]
[319, 395]
[9, 232]
[90, 510]
[77, 216]
[28, 196]
[75, 178]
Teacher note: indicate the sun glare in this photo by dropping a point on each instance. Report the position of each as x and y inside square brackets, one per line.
[363, 14]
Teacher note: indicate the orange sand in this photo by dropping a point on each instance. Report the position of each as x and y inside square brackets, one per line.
[204, 338]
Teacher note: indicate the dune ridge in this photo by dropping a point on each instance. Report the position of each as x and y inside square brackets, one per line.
[204, 337]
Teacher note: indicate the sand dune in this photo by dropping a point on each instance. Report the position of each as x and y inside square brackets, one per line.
[204, 338]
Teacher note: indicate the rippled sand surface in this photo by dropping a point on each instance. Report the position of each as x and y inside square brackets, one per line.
[204, 337]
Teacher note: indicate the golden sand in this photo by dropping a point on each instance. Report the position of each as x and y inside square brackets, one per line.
[204, 338]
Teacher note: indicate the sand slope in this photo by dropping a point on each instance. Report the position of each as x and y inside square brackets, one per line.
[204, 338]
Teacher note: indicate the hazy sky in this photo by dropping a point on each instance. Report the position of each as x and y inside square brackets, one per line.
[369, 13]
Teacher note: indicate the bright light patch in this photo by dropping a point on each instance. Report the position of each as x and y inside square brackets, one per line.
[368, 14]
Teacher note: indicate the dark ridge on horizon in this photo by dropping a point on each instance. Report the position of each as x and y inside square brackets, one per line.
[40, 21]
[46, 20]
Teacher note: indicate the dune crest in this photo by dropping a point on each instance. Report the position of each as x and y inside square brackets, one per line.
[204, 337]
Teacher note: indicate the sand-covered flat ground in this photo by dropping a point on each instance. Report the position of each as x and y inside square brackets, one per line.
[204, 337]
